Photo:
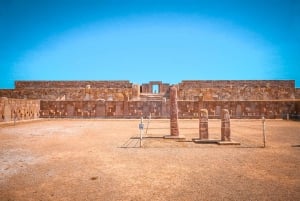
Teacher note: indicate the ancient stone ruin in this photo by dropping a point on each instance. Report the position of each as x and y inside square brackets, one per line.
[12, 109]
[174, 129]
[225, 126]
[122, 99]
[173, 112]
[203, 124]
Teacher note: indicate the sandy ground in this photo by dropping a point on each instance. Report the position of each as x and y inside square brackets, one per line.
[101, 160]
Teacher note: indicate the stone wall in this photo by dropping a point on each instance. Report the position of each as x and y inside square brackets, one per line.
[236, 83]
[73, 90]
[73, 84]
[104, 109]
[124, 90]
[162, 87]
[122, 99]
[239, 109]
[297, 93]
[237, 90]
[118, 94]
[161, 109]
[18, 109]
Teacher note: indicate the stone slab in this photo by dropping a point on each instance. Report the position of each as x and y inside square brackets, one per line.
[228, 143]
[174, 137]
[213, 141]
[205, 141]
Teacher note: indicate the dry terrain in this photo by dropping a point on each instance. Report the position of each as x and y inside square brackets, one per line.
[101, 160]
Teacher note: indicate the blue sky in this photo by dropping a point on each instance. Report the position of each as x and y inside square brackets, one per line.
[145, 41]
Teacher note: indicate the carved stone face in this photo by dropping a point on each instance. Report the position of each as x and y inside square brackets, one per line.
[173, 92]
[225, 114]
[203, 113]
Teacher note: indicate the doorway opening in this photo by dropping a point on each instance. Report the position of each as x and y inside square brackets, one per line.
[155, 88]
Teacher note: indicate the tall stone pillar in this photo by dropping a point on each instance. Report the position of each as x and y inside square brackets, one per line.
[203, 124]
[173, 112]
[174, 129]
[225, 126]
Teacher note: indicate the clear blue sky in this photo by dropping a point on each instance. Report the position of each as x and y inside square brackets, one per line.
[142, 41]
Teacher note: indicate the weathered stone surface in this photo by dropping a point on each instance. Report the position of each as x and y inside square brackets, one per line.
[70, 94]
[237, 89]
[18, 109]
[297, 93]
[174, 130]
[203, 124]
[243, 99]
[73, 84]
[162, 87]
[225, 126]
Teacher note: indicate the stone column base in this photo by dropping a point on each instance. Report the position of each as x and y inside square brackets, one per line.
[212, 141]
[228, 143]
[205, 141]
[174, 137]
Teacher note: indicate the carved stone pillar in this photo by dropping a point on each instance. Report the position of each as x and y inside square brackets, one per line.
[173, 112]
[203, 124]
[174, 129]
[225, 126]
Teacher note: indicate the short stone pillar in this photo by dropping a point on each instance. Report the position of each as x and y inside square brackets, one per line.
[203, 124]
[174, 130]
[225, 126]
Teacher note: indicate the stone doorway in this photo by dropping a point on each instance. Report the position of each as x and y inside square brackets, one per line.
[155, 89]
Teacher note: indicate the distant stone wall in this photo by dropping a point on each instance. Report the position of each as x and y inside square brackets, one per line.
[237, 90]
[162, 87]
[236, 83]
[118, 94]
[297, 93]
[18, 109]
[72, 84]
[122, 99]
[124, 90]
[73, 90]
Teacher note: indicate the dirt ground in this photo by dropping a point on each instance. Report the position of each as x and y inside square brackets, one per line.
[101, 160]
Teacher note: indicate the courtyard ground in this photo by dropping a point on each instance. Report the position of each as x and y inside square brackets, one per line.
[101, 160]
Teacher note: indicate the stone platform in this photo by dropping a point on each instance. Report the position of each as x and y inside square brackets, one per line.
[228, 143]
[180, 137]
[205, 141]
[213, 141]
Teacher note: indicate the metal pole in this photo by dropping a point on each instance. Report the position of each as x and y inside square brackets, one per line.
[148, 123]
[141, 131]
[14, 118]
[264, 129]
